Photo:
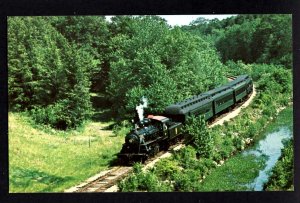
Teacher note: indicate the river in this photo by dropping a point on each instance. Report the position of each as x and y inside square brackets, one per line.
[270, 147]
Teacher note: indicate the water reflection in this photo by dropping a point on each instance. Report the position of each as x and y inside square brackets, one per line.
[271, 147]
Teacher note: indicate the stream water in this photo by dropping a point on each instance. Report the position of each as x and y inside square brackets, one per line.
[269, 147]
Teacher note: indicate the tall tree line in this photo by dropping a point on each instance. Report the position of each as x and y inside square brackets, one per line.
[47, 75]
[54, 63]
[265, 38]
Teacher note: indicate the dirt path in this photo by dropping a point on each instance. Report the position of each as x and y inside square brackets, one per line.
[235, 112]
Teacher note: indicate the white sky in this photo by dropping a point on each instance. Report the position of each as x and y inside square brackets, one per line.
[186, 19]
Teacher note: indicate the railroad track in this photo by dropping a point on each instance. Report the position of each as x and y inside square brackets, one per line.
[103, 180]
[106, 180]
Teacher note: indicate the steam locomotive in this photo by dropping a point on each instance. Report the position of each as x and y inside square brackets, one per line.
[156, 133]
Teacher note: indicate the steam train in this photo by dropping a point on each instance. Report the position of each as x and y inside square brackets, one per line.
[156, 133]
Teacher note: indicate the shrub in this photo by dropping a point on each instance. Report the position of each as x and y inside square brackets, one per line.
[53, 115]
[166, 169]
[186, 157]
[122, 129]
[185, 182]
[204, 166]
[202, 138]
[238, 143]
[143, 181]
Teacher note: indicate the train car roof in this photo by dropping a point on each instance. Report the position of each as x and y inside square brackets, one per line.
[192, 99]
[217, 90]
[201, 99]
[158, 118]
[183, 109]
[239, 79]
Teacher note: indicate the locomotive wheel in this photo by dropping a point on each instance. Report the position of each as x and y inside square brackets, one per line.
[156, 149]
[166, 145]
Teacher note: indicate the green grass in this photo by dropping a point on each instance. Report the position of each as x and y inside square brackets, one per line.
[51, 161]
[285, 118]
[234, 175]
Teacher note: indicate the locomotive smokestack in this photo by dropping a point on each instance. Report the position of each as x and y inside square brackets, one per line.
[140, 108]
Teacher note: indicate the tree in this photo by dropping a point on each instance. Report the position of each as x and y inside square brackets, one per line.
[91, 34]
[201, 137]
[165, 65]
[47, 75]
[250, 38]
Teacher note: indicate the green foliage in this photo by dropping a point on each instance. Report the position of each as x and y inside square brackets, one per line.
[236, 173]
[186, 157]
[202, 139]
[186, 181]
[250, 38]
[283, 172]
[237, 39]
[166, 168]
[47, 73]
[165, 65]
[36, 55]
[122, 129]
[91, 34]
[143, 181]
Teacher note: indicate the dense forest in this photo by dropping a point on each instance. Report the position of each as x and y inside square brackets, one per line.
[56, 64]
[250, 38]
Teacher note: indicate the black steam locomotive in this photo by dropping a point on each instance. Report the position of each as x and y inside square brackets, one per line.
[156, 133]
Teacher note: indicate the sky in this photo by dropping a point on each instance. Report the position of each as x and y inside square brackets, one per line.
[186, 19]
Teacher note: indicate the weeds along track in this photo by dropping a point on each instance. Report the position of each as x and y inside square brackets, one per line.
[106, 180]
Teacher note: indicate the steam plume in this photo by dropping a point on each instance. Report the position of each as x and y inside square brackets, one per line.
[140, 108]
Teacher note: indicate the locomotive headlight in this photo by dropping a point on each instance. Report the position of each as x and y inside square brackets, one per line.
[130, 140]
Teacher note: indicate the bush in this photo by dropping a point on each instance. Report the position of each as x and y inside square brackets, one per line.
[166, 168]
[185, 182]
[238, 143]
[202, 139]
[143, 181]
[53, 115]
[186, 157]
[204, 166]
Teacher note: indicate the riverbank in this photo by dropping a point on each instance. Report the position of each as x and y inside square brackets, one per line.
[249, 170]
[282, 175]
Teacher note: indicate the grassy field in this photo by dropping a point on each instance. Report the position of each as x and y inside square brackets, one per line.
[51, 161]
